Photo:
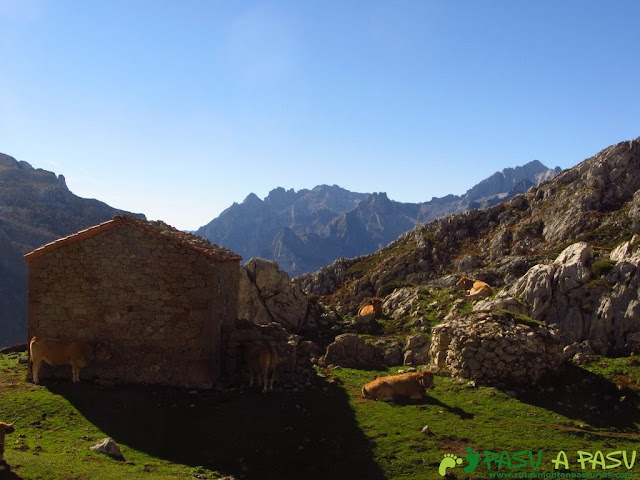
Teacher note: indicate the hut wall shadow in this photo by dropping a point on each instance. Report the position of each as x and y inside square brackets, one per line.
[432, 401]
[579, 394]
[309, 434]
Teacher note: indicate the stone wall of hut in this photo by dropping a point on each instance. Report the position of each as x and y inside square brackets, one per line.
[156, 304]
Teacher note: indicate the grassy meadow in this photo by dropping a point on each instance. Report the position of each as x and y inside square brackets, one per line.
[325, 430]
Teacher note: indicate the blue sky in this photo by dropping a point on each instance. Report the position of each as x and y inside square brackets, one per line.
[177, 109]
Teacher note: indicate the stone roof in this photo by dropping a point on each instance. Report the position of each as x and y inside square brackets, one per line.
[187, 240]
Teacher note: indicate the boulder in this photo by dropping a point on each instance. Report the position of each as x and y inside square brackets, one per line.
[350, 350]
[583, 348]
[365, 324]
[417, 350]
[109, 447]
[390, 351]
[401, 302]
[250, 306]
[267, 294]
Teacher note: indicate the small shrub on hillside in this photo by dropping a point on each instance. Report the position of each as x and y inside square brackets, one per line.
[390, 287]
[601, 267]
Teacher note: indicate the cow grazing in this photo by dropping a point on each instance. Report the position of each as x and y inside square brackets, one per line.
[475, 288]
[373, 308]
[5, 428]
[262, 360]
[58, 352]
[396, 387]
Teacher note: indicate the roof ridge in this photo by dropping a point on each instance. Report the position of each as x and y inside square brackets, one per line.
[158, 227]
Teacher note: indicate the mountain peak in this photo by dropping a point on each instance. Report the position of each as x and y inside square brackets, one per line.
[252, 199]
[280, 198]
[509, 179]
[328, 221]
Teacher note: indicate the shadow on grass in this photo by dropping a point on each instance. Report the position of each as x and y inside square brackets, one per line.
[283, 434]
[429, 400]
[582, 395]
[6, 474]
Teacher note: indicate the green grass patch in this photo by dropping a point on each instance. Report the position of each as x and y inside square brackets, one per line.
[326, 430]
[584, 414]
[601, 267]
[523, 319]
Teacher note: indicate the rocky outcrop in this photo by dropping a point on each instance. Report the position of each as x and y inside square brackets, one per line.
[493, 348]
[353, 351]
[401, 302]
[350, 350]
[585, 298]
[417, 350]
[267, 295]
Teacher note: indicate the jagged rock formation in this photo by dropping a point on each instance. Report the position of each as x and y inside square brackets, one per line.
[36, 207]
[594, 202]
[306, 230]
[493, 348]
[584, 298]
[268, 295]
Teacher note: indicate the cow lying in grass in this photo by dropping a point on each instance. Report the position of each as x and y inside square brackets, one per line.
[397, 387]
[5, 428]
[261, 359]
[475, 288]
[58, 352]
[373, 308]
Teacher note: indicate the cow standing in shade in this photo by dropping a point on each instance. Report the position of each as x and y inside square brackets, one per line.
[57, 352]
[261, 359]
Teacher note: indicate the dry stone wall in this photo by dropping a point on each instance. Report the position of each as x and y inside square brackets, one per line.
[492, 348]
[157, 305]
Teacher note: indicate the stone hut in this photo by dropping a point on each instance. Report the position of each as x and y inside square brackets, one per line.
[156, 296]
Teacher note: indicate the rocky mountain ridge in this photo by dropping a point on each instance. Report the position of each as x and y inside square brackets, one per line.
[566, 253]
[308, 229]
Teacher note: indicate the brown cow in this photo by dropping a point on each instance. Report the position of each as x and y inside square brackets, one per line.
[395, 387]
[261, 359]
[373, 308]
[475, 288]
[5, 428]
[58, 352]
